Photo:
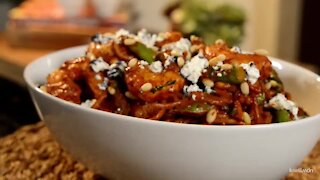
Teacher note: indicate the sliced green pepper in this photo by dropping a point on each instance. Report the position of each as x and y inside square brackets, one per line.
[278, 86]
[274, 76]
[233, 111]
[236, 76]
[143, 52]
[260, 98]
[197, 108]
[282, 116]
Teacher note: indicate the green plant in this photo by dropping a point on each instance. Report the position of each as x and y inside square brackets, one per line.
[209, 21]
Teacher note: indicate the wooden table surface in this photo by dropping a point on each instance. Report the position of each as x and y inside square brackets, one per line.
[14, 59]
[18, 55]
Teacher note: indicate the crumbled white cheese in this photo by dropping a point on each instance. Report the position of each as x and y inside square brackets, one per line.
[146, 38]
[168, 61]
[143, 63]
[192, 70]
[156, 67]
[88, 103]
[180, 46]
[208, 89]
[191, 88]
[253, 73]
[121, 65]
[236, 49]
[103, 39]
[98, 65]
[98, 77]
[103, 86]
[281, 102]
[194, 97]
[121, 32]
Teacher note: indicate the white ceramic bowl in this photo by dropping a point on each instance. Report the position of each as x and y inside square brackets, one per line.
[122, 147]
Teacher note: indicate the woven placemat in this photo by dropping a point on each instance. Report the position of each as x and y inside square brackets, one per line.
[32, 153]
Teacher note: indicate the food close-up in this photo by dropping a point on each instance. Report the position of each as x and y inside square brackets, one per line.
[170, 78]
[154, 90]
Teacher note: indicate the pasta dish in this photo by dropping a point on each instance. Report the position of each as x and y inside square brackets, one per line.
[168, 77]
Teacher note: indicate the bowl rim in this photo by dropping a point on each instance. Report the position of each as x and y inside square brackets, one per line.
[275, 62]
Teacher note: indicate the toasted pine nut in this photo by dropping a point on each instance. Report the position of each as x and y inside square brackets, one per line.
[274, 83]
[244, 87]
[271, 84]
[91, 56]
[132, 62]
[146, 87]
[222, 57]
[208, 82]
[215, 60]
[261, 52]
[180, 61]
[194, 48]
[220, 42]
[129, 95]
[175, 53]
[129, 41]
[111, 90]
[193, 38]
[211, 116]
[246, 118]
[43, 88]
[226, 66]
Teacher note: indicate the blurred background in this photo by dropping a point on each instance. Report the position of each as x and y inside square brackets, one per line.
[32, 28]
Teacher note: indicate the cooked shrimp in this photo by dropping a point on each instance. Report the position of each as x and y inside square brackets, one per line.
[75, 80]
[165, 86]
